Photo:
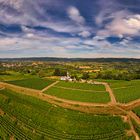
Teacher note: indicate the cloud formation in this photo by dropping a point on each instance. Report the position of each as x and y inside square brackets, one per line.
[74, 14]
[75, 28]
[123, 23]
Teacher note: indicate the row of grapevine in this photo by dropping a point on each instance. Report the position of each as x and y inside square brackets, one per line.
[39, 120]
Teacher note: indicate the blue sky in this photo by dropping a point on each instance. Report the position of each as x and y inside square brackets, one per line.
[70, 28]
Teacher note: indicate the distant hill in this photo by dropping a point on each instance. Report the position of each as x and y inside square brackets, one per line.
[72, 59]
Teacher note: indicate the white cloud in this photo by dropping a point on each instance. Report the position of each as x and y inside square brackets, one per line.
[102, 16]
[85, 34]
[123, 23]
[30, 35]
[16, 4]
[43, 43]
[99, 42]
[72, 47]
[26, 13]
[75, 15]
[133, 22]
[7, 41]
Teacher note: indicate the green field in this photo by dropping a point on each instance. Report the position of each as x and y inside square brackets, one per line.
[30, 118]
[117, 83]
[137, 111]
[79, 95]
[11, 75]
[125, 91]
[136, 127]
[34, 83]
[84, 86]
[120, 83]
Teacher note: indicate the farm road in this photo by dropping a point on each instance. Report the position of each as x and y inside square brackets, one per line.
[28, 91]
[108, 89]
[2, 88]
[46, 88]
[113, 99]
[133, 129]
[130, 105]
[134, 116]
[41, 95]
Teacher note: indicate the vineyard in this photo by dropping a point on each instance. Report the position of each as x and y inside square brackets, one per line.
[126, 91]
[34, 83]
[137, 127]
[11, 76]
[25, 117]
[84, 86]
[79, 95]
[137, 111]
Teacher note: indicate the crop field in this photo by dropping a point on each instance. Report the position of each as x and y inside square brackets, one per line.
[10, 76]
[137, 111]
[121, 83]
[34, 83]
[79, 95]
[126, 91]
[84, 86]
[26, 117]
[137, 127]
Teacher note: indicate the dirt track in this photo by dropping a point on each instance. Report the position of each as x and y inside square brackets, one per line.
[2, 88]
[133, 129]
[49, 86]
[34, 92]
[109, 90]
[131, 105]
[134, 116]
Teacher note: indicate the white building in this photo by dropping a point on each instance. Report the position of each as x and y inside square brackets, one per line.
[66, 78]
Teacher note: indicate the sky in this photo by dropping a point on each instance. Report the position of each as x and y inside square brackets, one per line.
[70, 28]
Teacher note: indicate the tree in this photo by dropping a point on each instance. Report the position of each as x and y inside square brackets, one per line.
[85, 76]
[57, 72]
[41, 73]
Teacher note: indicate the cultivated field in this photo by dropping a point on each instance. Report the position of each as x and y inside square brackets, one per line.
[34, 83]
[24, 117]
[126, 91]
[80, 92]
[11, 75]
[77, 95]
[137, 127]
[27, 117]
[84, 86]
[137, 111]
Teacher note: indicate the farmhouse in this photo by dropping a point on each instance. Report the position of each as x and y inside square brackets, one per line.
[90, 71]
[84, 67]
[66, 78]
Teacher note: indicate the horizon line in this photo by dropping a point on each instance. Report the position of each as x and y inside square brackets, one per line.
[69, 57]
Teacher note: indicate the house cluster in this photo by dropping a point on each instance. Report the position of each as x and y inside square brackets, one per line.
[84, 67]
[67, 78]
[9, 65]
[37, 63]
[94, 71]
